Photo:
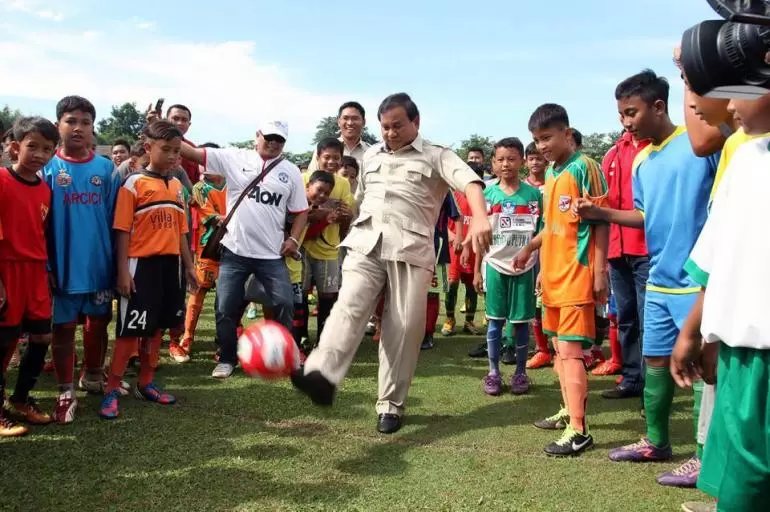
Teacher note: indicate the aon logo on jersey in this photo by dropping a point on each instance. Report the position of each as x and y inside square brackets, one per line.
[266, 197]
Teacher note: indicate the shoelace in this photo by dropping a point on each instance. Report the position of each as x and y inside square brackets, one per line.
[558, 416]
[6, 422]
[688, 467]
[566, 437]
[641, 444]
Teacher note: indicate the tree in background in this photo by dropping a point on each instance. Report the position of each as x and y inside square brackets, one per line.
[8, 116]
[477, 141]
[327, 127]
[124, 122]
[596, 145]
[244, 144]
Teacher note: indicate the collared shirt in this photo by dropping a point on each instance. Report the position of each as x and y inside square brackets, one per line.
[617, 166]
[356, 152]
[671, 189]
[399, 197]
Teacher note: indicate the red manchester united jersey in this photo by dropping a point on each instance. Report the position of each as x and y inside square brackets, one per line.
[24, 208]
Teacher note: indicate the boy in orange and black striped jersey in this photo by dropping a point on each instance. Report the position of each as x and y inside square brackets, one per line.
[151, 234]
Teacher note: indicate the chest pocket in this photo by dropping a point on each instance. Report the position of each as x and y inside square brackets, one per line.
[418, 172]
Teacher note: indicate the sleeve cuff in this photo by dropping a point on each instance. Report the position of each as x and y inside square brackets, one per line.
[697, 274]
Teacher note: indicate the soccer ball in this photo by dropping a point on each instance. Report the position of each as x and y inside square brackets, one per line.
[267, 350]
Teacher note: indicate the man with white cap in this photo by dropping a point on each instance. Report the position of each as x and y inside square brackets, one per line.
[254, 243]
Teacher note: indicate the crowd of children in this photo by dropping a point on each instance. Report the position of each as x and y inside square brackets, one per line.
[76, 228]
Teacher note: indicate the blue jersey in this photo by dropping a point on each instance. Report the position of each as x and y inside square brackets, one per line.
[671, 189]
[82, 207]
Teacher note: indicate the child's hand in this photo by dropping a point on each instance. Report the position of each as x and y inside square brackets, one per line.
[708, 362]
[586, 209]
[520, 260]
[538, 286]
[344, 211]
[192, 280]
[125, 284]
[478, 283]
[686, 359]
[465, 255]
[601, 287]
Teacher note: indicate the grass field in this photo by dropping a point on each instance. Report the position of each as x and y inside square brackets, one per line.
[243, 444]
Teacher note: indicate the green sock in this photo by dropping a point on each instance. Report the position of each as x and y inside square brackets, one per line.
[508, 337]
[697, 394]
[658, 396]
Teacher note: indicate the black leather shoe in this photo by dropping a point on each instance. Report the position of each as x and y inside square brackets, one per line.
[388, 423]
[508, 356]
[478, 352]
[314, 385]
[621, 392]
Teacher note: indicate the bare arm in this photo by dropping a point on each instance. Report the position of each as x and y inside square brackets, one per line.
[125, 282]
[184, 249]
[298, 226]
[628, 218]
[197, 155]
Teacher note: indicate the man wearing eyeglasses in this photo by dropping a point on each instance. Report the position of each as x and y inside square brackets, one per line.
[254, 243]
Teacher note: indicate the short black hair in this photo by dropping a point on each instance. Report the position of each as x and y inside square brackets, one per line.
[138, 150]
[122, 142]
[531, 149]
[548, 115]
[210, 145]
[400, 99]
[477, 149]
[322, 176]
[161, 130]
[647, 85]
[352, 104]
[329, 143]
[349, 161]
[8, 135]
[72, 103]
[510, 143]
[27, 125]
[577, 137]
[178, 106]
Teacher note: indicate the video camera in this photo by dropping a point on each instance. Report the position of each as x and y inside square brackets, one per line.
[727, 58]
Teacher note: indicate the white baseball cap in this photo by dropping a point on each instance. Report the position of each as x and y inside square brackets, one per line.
[280, 128]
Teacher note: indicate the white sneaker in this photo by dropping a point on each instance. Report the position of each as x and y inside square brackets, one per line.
[66, 405]
[370, 327]
[223, 371]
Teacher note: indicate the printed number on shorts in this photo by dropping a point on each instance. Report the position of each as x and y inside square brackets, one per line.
[137, 320]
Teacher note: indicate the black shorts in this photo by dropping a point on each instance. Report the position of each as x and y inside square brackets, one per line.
[159, 299]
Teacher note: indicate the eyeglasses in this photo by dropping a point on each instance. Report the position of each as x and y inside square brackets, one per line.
[275, 138]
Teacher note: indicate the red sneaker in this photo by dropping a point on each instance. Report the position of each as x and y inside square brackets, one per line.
[540, 360]
[619, 379]
[607, 368]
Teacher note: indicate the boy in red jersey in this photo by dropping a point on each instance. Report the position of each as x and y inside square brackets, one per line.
[25, 298]
[151, 231]
[574, 270]
[537, 164]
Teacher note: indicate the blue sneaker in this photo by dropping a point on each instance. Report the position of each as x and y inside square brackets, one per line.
[109, 408]
[151, 393]
[427, 342]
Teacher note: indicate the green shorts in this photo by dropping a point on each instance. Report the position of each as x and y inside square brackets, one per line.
[510, 298]
[736, 459]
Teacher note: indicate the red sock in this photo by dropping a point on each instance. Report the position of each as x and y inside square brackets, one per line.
[175, 335]
[541, 340]
[95, 344]
[431, 316]
[63, 353]
[9, 354]
[124, 349]
[148, 358]
[615, 351]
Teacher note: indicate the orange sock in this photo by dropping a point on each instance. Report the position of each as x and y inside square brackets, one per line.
[575, 380]
[541, 340]
[124, 348]
[63, 353]
[148, 358]
[558, 368]
[194, 307]
[95, 343]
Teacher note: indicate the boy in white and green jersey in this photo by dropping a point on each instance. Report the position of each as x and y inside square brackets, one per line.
[514, 213]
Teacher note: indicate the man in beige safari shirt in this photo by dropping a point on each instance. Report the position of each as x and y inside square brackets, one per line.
[390, 248]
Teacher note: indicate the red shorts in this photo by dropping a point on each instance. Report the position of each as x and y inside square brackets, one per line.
[458, 272]
[27, 296]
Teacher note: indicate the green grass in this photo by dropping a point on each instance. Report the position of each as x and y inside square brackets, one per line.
[244, 444]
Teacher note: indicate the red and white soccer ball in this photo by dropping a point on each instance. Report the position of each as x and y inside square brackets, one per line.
[267, 350]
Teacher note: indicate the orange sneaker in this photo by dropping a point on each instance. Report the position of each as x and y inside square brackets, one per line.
[10, 429]
[29, 412]
[607, 368]
[539, 360]
[178, 353]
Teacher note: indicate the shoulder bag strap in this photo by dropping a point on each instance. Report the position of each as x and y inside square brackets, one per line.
[251, 186]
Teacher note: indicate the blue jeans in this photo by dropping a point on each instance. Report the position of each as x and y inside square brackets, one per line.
[234, 270]
[628, 275]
